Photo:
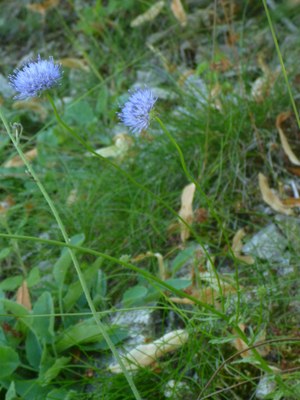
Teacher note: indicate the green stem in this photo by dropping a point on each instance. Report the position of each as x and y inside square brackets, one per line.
[192, 179]
[128, 176]
[147, 275]
[15, 245]
[285, 75]
[100, 324]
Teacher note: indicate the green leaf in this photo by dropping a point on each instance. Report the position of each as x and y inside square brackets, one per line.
[33, 349]
[61, 394]
[63, 263]
[134, 295]
[33, 277]
[222, 340]
[30, 389]
[3, 340]
[47, 375]
[44, 326]
[84, 332]
[183, 257]
[179, 283]
[75, 289]
[80, 113]
[11, 392]
[20, 312]
[11, 283]
[9, 361]
[5, 252]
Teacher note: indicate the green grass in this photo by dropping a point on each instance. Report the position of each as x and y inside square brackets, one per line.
[126, 207]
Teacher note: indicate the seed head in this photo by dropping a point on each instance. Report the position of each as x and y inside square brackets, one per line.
[136, 112]
[35, 77]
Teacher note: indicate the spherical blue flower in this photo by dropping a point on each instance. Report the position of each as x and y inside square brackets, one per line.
[35, 77]
[136, 112]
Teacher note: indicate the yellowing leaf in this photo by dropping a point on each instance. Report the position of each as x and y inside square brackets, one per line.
[18, 162]
[284, 142]
[146, 354]
[23, 296]
[6, 203]
[178, 11]
[237, 245]
[271, 198]
[119, 149]
[42, 7]
[77, 63]
[149, 15]
[242, 347]
[31, 105]
[262, 86]
[291, 202]
[186, 210]
[72, 198]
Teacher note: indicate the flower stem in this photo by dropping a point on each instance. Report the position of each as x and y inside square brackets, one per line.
[101, 325]
[281, 62]
[192, 179]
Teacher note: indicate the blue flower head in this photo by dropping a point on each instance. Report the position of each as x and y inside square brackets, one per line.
[136, 112]
[35, 77]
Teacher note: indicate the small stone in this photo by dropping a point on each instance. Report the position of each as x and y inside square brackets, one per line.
[265, 386]
[268, 244]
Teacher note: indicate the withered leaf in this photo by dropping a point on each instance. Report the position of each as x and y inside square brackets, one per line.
[31, 105]
[146, 354]
[77, 63]
[18, 162]
[23, 296]
[271, 198]
[186, 210]
[178, 11]
[42, 7]
[149, 15]
[284, 142]
[237, 245]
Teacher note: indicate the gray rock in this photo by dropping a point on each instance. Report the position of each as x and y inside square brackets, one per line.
[265, 387]
[268, 244]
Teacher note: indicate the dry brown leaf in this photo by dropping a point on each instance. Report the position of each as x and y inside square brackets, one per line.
[31, 105]
[76, 63]
[43, 7]
[240, 345]
[291, 202]
[284, 142]
[146, 354]
[149, 15]
[262, 86]
[18, 162]
[294, 170]
[271, 198]
[237, 246]
[6, 203]
[23, 296]
[186, 210]
[178, 11]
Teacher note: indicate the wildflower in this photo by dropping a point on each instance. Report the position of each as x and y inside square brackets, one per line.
[136, 112]
[35, 77]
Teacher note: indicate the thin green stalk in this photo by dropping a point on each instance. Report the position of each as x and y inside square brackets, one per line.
[52, 207]
[285, 75]
[125, 174]
[15, 245]
[192, 179]
[147, 275]
[263, 364]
